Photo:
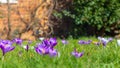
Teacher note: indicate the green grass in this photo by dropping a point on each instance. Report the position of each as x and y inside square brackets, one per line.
[94, 57]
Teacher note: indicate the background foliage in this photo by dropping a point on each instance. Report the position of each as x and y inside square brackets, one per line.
[100, 15]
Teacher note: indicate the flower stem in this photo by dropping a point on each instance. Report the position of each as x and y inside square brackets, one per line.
[2, 61]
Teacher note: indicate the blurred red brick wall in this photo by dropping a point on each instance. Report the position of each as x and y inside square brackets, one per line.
[17, 25]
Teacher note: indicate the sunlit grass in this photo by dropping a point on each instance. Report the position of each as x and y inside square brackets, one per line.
[94, 56]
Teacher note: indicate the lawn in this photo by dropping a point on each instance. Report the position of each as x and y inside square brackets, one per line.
[95, 56]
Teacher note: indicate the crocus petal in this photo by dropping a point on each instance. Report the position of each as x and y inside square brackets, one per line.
[110, 39]
[38, 51]
[6, 48]
[53, 52]
[84, 42]
[64, 42]
[74, 53]
[81, 42]
[17, 41]
[77, 54]
[104, 41]
[27, 48]
[41, 50]
[47, 47]
[45, 43]
[53, 42]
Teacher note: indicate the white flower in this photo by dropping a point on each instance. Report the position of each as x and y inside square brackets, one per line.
[41, 38]
[118, 42]
[24, 47]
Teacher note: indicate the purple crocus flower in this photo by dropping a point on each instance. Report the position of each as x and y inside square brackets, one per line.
[41, 49]
[47, 47]
[84, 42]
[64, 42]
[6, 46]
[77, 54]
[17, 41]
[53, 42]
[50, 42]
[45, 43]
[81, 42]
[110, 39]
[104, 41]
[53, 52]
[89, 41]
